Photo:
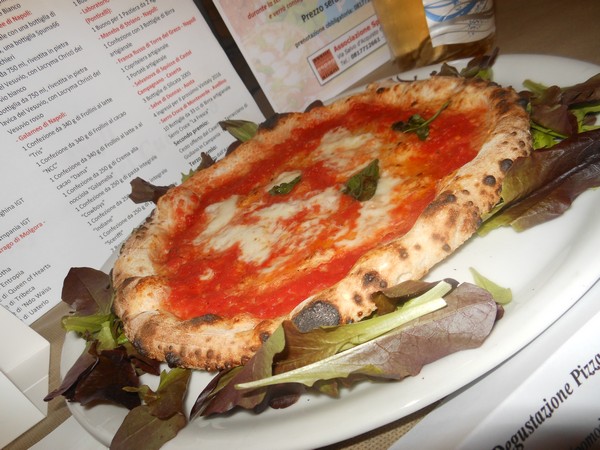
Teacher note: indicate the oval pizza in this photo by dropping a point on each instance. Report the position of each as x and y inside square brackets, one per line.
[313, 215]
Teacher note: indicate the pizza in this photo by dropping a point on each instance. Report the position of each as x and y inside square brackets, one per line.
[315, 214]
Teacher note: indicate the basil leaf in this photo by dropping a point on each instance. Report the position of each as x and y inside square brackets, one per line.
[285, 188]
[417, 124]
[363, 184]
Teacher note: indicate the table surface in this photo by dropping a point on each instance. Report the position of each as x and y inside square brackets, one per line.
[548, 27]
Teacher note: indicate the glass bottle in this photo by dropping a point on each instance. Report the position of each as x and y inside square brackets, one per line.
[423, 32]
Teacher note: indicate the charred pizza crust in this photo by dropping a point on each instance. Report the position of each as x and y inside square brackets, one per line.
[211, 342]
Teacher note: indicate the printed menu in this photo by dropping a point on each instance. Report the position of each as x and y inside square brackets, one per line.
[306, 50]
[94, 93]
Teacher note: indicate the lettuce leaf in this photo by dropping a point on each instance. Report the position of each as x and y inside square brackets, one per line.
[384, 347]
[559, 112]
[540, 187]
[160, 418]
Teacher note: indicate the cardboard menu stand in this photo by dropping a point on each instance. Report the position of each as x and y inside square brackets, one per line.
[300, 51]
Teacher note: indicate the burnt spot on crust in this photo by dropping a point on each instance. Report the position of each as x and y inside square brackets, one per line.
[264, 336]
[489, 180]
[370, 278]
[173, 359]
[447, 248]
[523, 102]
[358, 299]
[206, 318]
[317, 314]
[137, 343]
[380, 90]
[505, 164]
[444, 198]
[403, 253]
[504, 100]
[438, 237]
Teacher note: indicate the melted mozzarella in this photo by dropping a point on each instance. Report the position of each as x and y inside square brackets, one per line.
[275, 229]
[264, 230]
[339, 147]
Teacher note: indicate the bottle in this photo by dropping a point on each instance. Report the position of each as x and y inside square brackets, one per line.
[423, 32]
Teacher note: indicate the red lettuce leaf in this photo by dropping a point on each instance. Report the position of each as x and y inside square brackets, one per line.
[542, 186]
[221, 396]
[156, 422]
[143, 430]
[552, 107]
[87, 291]
[111, 373]
[99, 377]
[84, 364]
[142, 191]
[582, 93]
[464, 323]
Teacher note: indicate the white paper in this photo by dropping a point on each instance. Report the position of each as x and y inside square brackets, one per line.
[94, 94]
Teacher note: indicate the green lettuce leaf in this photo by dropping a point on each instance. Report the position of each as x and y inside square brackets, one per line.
[387, 346]
[501, 294]
[464, 323]
[242, 130]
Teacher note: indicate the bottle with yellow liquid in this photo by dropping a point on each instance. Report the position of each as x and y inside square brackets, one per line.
[422, 32]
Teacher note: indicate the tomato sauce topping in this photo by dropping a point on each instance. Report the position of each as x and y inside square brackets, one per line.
[228, 279]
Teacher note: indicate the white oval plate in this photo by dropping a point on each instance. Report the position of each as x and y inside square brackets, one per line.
[548, 269]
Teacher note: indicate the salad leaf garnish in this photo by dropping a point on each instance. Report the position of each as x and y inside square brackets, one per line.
[143, 191]
[159, 418]
[286, 187]
[477, 67]
[394, 354]
[242, 130]
[87, 291]
[109, 362]
[559, 112]
[363, 184]
[464, 323]
[542, 186]
[417, 124]
[501, 294]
